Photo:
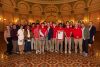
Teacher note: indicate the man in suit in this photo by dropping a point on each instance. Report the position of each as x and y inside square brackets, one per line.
[85, 37]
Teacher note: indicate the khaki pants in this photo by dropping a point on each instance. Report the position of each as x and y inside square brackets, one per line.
[47, 47]
[33, 46]
[50, 45]
[68, 42]
[78, 41]
[37, 44]
[42, 43]
[15, 46]
[54, 44]
[60, 45]
[21, 48]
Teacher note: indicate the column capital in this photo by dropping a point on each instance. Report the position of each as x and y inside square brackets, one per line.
[72, 11]
[16, 9]
[1, 4]
[86, 9]
[59, 13]
[43, 13]
[30, 12]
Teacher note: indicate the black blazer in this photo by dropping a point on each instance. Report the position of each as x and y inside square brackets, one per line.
[92, 31]
[50, 33]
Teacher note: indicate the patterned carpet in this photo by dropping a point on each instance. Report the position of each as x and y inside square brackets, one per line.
[49, 59]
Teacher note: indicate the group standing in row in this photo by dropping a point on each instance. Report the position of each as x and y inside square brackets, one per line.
[52, 37]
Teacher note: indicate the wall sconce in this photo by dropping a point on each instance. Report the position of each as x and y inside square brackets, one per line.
[0, 19]
[4, 19]
[98, 18]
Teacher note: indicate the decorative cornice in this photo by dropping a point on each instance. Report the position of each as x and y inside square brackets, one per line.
[50, 1]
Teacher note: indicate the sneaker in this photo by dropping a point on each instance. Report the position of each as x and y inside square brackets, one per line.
[76, 52]
[65, 52]
[85, 54]
[80, 52]
[56, 51]
[61, 52]
[69, 52]
[36, 52]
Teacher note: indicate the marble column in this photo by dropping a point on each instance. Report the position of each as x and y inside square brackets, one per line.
[30, 17]
[86, 15]
[72, 16]
[1, 18]
[16, 16]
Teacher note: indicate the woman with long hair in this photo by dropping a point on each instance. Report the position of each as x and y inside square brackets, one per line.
[8, 39]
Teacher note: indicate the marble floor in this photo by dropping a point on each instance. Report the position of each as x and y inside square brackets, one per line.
[50, 59]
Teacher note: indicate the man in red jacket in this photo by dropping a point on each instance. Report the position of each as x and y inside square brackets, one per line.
[43, 34]
[68, 32]
[32, 39]
[60, 37]
[37, 38]
[54, 40]
[77, 33]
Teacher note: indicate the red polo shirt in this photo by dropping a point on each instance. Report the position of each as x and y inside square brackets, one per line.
[77, 33]
[36, 33]
[68, 32]
[55, 31]
[44, 30]
[32, 29]
[60, 29]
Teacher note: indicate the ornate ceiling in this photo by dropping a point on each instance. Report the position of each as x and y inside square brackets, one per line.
[59, 8]
[77, 5]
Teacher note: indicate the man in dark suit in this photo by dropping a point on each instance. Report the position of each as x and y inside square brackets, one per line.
[85, 37]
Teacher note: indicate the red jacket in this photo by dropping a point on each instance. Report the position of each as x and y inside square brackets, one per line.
[68, 32]
[55, 31]
[36, 33]
[60, 30]
[77, 33]
[32, 29]
[44, 31]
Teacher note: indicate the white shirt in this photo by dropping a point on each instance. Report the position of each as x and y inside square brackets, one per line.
[20, 34]
[28, 35]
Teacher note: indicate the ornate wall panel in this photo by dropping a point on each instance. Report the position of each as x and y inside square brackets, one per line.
[95, 5]
[7, 5]
[79, 7]
[37, 12]
[23, 8]
[51, 13]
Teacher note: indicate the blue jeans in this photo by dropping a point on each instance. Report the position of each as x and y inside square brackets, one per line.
[27, 46]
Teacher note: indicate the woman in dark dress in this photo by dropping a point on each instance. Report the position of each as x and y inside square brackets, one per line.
[92, 30]
[8, 39]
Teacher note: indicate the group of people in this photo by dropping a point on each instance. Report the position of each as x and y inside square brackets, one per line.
[51, 37]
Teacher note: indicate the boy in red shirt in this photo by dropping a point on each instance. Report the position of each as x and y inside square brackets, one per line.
[54, 40]
[60, 37]
[43, 34]
[68, 32]
[37, 38]
[32, 39]
[77, 33]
